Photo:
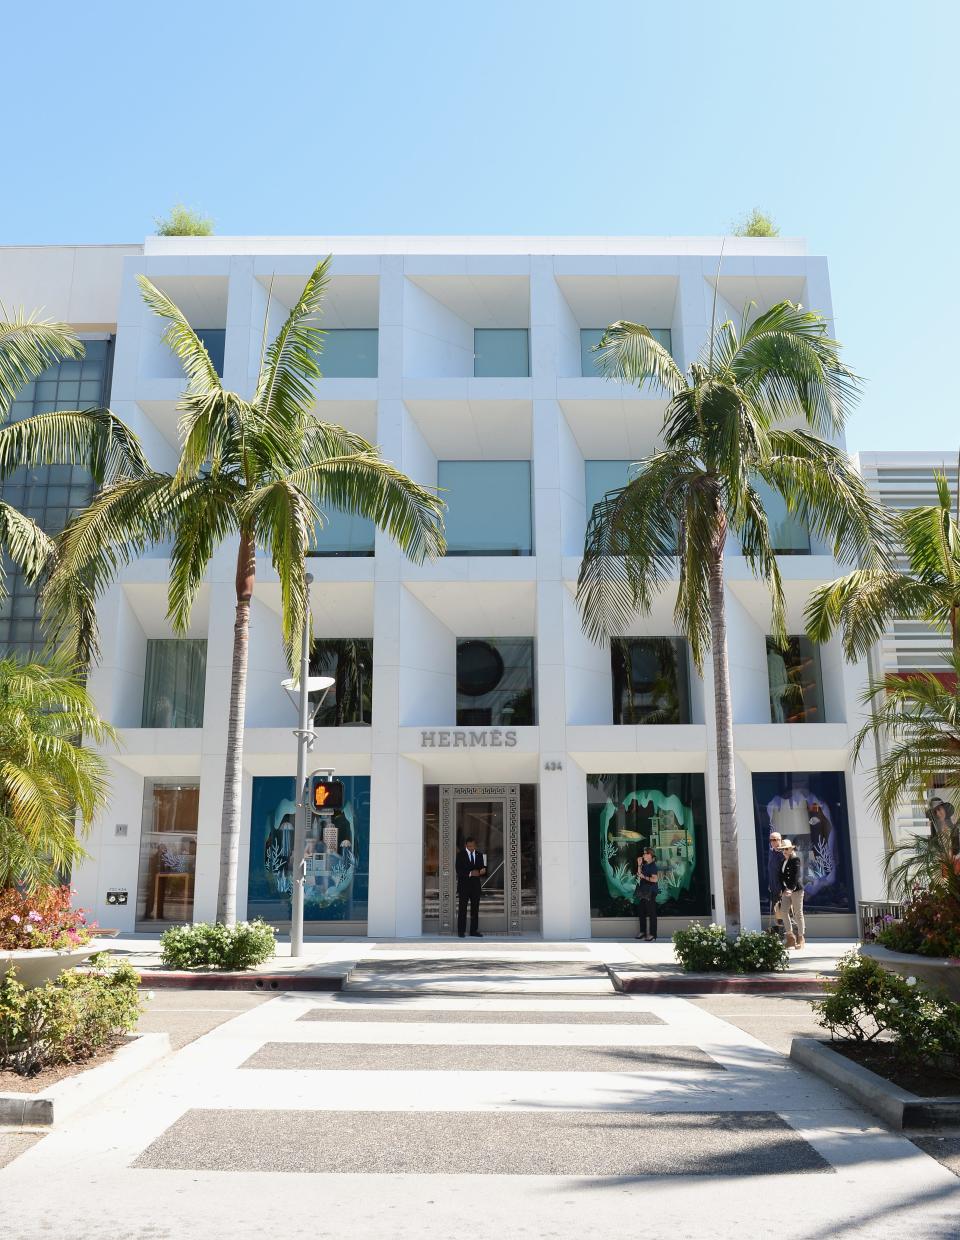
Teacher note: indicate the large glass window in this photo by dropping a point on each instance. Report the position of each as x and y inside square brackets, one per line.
[349, 660]
[168, 851]
[174, 683]
[337, 854]
[495, 684]
[501, 352]
[788, 534]
[488, 507]
[590, 337]
[50, 494]
[650, 683]
[603, 476]
[668, 813]
[349, 353]
[343, 534]
[796, 686]
[810, 809]
[215, 341]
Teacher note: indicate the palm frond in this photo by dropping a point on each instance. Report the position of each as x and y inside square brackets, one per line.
[205, 514]
[285, 387]
[628, 353]
[631, 544]
[24, 542]
[788, 360]
[281, 517]
[862, 605]
[95, 438]
[28, 345]
[182, 339]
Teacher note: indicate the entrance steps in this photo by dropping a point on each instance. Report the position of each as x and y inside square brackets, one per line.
[406, 977]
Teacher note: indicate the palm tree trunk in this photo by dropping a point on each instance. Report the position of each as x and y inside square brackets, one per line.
[726, 781]
[233, 773]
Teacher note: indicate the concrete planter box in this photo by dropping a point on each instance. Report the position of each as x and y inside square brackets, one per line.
[34, 966]
[935, 972]
[900, 1108]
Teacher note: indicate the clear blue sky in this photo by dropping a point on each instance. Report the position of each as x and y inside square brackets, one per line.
[521, 116]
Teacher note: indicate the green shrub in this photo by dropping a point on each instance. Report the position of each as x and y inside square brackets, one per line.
[708, 949]
[66, 1020]
[930, 926]
[866, 1003]
[702, 949]
[212, 945]
[759, 951]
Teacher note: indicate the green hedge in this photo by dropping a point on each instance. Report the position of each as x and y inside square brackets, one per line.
[709, 949]
[66, 1020]
[208, 945]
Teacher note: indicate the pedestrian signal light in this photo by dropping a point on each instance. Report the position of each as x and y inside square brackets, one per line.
[326, 794]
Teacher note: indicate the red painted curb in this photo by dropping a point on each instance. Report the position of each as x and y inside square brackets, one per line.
[717, 985]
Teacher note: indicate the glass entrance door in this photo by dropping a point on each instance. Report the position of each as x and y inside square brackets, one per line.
[490, 813]
[485, 822]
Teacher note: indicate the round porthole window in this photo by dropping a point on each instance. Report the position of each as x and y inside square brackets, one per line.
[479, 668]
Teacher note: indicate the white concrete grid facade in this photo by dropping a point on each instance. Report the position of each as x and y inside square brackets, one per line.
[425, 296]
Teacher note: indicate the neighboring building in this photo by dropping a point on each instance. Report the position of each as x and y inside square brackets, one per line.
[469, 700]
[906, 480]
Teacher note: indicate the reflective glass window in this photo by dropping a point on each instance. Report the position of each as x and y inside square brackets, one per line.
[488, 507]
[796, 685]
[349, 353]
[168, 851]
[349, 660]
[343, 533]
[788, 533]
[650, 681]
[49, 494]
[603, 476]
[495, 682]
[214, 339]
[590, 337]
[501, 352]
[174, 683]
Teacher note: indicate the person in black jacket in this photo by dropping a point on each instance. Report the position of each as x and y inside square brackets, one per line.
[648, 884]
[471, 867]
[791, 900]
[774, 878]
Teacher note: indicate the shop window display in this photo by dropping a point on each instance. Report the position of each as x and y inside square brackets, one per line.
[168, 851]
[336, 854]
[625, 814]
[809, 808]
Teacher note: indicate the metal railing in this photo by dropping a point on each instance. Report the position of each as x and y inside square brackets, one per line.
[874, 915]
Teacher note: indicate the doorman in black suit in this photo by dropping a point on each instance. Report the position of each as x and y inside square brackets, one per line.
[471, 867]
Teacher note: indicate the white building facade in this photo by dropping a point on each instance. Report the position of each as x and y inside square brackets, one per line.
[468, 700]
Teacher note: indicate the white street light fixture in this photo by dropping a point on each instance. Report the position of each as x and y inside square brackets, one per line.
[298, 690]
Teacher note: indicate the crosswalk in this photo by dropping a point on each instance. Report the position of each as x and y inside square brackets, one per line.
[503, 1111]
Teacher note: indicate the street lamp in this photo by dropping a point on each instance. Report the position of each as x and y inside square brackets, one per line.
[298, 689]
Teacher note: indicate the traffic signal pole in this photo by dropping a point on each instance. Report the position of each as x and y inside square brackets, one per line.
[304, 735]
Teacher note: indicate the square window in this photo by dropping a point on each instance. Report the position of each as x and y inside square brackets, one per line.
[90, 391]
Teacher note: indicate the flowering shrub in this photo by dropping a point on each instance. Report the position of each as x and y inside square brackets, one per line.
[66, 1020]
[206, 945]
[44, 919]
[707, 949]
[930, 926]
[865, 1003]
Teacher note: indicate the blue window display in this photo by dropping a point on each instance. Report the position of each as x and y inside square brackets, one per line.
[625, 814]
[336, 856]
[809, 808]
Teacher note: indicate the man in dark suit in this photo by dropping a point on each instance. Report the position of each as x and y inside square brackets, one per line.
[471, 867]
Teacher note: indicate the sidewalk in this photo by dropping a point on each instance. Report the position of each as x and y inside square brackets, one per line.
[327, 964]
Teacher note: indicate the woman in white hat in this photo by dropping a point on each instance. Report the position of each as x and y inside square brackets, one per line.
[791, 901]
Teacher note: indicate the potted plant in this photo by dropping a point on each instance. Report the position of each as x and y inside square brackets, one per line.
[41, 935]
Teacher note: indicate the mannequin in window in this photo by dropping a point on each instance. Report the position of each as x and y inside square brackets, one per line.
[779, 684]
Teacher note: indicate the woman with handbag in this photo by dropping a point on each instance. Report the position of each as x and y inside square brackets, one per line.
[648, 885]
[791, 898]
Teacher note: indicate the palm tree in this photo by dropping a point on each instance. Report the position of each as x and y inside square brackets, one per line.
[727, 424]
[914, 719]
[863, 603]
[47, 776]
[258, 469]
[92, 437]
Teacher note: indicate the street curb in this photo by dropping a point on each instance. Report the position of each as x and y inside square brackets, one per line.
[167, 980]
[649, 983]
[65, 1097]
[898, 1107]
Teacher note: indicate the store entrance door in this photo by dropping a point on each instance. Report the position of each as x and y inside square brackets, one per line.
[490, 813]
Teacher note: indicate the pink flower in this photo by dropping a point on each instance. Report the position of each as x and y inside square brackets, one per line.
[34, 916]
[15, 918]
